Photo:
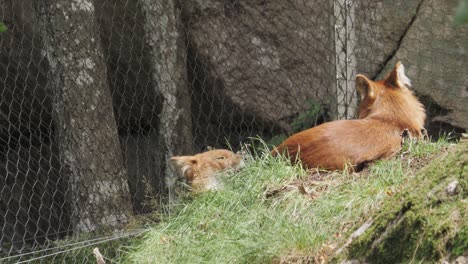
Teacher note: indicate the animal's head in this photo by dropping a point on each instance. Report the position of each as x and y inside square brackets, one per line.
[201, 170]
[391, 98]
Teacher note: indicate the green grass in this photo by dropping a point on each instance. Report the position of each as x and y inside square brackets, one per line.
[3, 28]
[240, 224]
[423, 223]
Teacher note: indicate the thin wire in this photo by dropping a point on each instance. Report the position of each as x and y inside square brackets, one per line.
[87, 245]
[136, 233]
[52, 248]
[63, 231]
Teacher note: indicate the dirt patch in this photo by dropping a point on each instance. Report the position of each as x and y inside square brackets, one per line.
[297, 257]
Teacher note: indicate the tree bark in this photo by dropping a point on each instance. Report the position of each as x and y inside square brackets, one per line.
[163, 29]
[90, 154]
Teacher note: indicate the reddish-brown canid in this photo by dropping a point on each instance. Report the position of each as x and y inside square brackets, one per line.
[387, 108]
[202, 170]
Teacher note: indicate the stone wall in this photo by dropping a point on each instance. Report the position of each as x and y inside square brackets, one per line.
[436, 55]
[268, 58]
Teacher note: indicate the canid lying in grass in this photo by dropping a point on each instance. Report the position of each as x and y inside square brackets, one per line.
[202, 170]
[386, 110]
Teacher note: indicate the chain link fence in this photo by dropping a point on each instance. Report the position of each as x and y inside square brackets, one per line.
[96, 96]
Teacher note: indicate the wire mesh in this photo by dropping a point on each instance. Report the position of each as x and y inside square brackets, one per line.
[96, 96]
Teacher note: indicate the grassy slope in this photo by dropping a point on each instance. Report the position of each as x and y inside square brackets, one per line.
[423, 223]
[261, 216]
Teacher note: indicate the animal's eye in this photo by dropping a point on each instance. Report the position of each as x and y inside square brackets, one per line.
[220, 158]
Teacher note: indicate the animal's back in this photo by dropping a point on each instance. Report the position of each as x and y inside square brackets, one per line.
[334, 145]
[387, 108]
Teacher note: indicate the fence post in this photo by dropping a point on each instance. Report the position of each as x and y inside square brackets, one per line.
[345, 59]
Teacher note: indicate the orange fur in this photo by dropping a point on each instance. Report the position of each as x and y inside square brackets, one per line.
[201, 171]
[387, 108]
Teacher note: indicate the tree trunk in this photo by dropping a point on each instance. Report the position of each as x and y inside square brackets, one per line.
[163, 29]
[90, 155]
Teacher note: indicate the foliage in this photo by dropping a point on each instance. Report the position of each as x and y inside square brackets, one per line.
[461, 16]
[263, 215]
[305, 120]
[3, 28]
[308, 118]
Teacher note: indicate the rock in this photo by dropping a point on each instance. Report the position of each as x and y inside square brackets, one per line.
[435, 53]
[358, 232]
[458, 260]
[455, 216]
[451, 188]
[268, 58]
[411, 226]
[378, 31]
[461, 260]
[353, 261]
[464, 137]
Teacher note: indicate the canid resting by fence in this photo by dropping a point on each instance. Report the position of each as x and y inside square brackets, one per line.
[387, 109]
[202, 171]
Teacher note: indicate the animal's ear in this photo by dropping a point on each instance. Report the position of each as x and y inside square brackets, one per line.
[365, 87]
[397, 77]
[184, 165]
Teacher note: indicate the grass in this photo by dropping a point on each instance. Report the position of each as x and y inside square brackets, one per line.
[423, 223]
[273, 211]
